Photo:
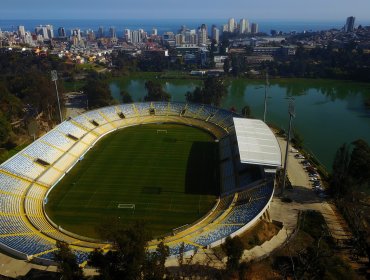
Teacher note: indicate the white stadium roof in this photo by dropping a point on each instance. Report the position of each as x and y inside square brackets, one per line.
[257, 143]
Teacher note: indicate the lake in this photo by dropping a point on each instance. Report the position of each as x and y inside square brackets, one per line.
[328, 113]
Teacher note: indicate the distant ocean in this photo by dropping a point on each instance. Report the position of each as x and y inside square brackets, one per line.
[164, 25]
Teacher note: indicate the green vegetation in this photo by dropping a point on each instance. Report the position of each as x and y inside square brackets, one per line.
[155, 92]
[350, 185]
[171, 178]
[311, 254]
[126, 97]
[26, 91]
[351, 172]
[212, 92]
[233, 249]
[349, 62]
[6, 154]
[67, 262]
[97, 90]
[247, 111]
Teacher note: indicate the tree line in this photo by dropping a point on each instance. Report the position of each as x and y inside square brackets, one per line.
[129, 257]
[349, 62]
[350, 186]
[26, 90]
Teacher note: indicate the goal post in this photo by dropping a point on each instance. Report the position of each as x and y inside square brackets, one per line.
[126, 206]
[161, 131]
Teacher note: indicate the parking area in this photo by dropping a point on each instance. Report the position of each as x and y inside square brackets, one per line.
[300, 172]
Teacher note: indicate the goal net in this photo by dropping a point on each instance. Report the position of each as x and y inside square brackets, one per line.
[161, 131]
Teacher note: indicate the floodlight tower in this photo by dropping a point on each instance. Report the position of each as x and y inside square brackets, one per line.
[291, 111]
[266, 86]
[54, 78]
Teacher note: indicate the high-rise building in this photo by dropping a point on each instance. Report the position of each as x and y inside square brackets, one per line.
[101, 32]
[112, 32]
[135, 37]
[231, 25]
[76, 33]
[50, 31]
[202, 35]
[46, 31]
[143, 35]
[154, 31]
[28, 39]
[243, 26]
[90, 35]
[254, 28]
[62, 32]
[191, 36]
[215, 34]
[21, 31]
[350, 24]
[127, 35]
[180, 39]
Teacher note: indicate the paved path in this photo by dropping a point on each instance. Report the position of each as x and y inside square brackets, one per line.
[304, 198]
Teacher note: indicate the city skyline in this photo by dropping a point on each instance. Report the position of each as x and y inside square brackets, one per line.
[166, 9]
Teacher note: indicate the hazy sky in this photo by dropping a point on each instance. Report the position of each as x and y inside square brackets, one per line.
[187, 9]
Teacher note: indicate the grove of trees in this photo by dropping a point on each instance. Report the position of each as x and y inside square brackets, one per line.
[212, 92]
[155, 92]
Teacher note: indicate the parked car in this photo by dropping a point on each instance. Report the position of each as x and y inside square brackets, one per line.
[314, 179]
[292, 150]
[299, 156]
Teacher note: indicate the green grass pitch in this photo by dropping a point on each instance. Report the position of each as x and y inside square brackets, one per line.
[172, 178]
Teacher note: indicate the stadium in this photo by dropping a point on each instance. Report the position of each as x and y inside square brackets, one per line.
[237, 197]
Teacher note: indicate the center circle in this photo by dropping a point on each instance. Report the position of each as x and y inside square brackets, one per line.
[164, 174]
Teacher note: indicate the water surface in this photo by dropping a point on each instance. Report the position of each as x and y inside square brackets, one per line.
[328, 113]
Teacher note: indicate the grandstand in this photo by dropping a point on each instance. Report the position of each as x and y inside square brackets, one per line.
[27, 178]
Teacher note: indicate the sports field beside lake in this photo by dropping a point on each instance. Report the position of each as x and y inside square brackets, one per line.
[165, 174]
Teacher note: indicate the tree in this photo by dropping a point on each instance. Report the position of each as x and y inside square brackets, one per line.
[126, 97]
[97, 91]
[67, 262]
[246, 111]
[155, 92]
[155, 268]
[5, 130]
[128, 256]
[359, 165]
[212, 92]
[233, 248]
[339, 175]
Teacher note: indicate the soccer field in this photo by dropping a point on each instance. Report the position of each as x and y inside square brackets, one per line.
[168, 171]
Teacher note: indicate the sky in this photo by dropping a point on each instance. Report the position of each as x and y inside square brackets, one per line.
[319, 10]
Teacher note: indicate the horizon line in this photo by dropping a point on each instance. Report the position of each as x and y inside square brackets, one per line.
[177, 19]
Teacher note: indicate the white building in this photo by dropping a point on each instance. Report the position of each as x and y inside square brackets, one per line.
[243, 26]
[127, 35]
[231, 25]
[202, 35]
[46, 31]
[21, 31]
[215, 34]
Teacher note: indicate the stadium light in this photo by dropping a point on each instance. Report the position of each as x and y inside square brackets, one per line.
[266, 86]
[54, 78]
[291, 111]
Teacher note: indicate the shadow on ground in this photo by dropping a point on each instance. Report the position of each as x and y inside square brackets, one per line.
[202, 172]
